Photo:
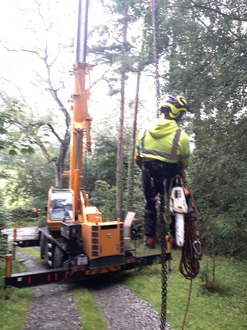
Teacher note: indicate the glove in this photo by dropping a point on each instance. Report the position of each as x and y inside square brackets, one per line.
[138, 161]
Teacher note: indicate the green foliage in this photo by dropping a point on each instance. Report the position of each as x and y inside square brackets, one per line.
[104, 199]
[25, 181]
[3, 251]
[206, 51]
[218, 177]
[3, 212]
[29, 182]
[100, 174]
[205, 54]
[3, 238]
[119, 50]
[102, 164]
[13, 139]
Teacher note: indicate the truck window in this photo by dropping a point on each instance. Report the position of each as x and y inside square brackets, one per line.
[61, 206]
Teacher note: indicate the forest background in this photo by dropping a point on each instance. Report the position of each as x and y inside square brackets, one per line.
[201, 52]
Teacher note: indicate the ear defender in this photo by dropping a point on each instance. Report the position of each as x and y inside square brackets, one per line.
[181, 100]
[174, 112]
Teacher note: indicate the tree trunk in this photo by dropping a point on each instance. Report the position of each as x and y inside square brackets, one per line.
[119, 169]
[60, 161]
[129, 201]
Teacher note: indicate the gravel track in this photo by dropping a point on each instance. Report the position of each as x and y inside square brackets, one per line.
[123, 310]
[53, 307]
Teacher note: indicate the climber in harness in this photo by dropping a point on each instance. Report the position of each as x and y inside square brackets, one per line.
[162, 152]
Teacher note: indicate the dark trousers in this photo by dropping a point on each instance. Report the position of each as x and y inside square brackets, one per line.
[155, 174]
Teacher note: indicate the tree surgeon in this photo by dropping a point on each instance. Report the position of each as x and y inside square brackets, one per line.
[161, 152]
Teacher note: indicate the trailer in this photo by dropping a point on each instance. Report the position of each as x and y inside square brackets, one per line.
[77, 266]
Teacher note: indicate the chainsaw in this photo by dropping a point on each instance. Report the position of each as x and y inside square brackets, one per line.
[180, 203]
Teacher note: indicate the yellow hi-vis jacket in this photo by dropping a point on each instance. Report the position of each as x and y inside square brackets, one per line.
[165, 142]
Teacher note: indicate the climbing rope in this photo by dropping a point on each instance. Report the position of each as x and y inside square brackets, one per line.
[155, 25]
[187, 305]
[191, 251]
[191, 254]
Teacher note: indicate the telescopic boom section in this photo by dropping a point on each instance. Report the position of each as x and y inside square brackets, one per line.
[81, 120]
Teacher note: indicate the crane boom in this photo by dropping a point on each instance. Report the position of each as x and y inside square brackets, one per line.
[76, 226]
[81, 38]
[80, 134]
[81, 119]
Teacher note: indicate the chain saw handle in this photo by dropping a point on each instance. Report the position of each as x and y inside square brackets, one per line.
[177, 202]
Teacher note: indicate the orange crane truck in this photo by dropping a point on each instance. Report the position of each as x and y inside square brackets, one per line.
[76, 243]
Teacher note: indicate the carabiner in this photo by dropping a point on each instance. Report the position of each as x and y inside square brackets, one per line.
[197, 247]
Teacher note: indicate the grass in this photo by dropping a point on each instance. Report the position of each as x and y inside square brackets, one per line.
[89, 314]
[33, 252]
[218, 305]
[223, 307]
[14, 303]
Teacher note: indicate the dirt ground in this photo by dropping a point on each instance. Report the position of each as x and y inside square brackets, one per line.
[52, 306]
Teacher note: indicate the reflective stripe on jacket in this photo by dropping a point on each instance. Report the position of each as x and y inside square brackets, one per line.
[165, 142]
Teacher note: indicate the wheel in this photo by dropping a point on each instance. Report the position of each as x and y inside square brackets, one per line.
[42, 246]
[58, 257]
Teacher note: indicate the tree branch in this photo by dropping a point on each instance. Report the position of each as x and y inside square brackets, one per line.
[217, 11]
